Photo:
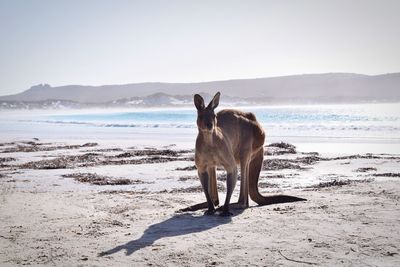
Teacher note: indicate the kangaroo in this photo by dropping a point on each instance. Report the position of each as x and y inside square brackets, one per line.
[228, 139]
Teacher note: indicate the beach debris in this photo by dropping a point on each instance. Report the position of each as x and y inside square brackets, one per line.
[273, 176]
[387, 174]
[282, 145]
[62, 162]
[7, 144]
[366, 169]
[338, 183]
[144, 160]
[126, 192]
[284, 209]
[390, 254]
[280, 164]
[280, 148]
[308, 160]
[96, 179]
[115, 149]
[191, 189]
[195, 189]
[310, 153]
[89, 145]
[94, 159]
[358, 156]
[153, 152]
[333, 183]
[267, 185]
[186, 178]
[58, 163]
[30, 146]
[125, 155]
[4, 175]
[188, 168]
[298, 261]
[116, 223]
[7, 159]
[30, 143]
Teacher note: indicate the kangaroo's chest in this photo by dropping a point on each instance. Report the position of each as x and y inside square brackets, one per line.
[209, 156]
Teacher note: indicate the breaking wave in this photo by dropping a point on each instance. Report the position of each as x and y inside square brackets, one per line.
[363, 120]
[121, 125]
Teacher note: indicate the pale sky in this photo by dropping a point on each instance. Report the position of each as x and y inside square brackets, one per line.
[95, 42]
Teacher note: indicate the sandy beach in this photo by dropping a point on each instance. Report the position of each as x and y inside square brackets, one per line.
[100, 204]
[110, 111]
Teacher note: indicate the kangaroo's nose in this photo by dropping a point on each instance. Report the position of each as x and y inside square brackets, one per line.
[209, 125]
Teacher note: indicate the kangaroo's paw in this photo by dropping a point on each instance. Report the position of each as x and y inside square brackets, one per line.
[219, 209]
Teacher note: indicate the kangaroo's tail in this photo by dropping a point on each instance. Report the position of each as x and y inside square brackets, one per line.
[254, 174]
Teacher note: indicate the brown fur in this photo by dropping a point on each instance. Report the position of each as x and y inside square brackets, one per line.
[230, 138]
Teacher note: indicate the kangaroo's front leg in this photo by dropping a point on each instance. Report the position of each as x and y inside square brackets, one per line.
[205, 180]
[213, 187]
[230, 186]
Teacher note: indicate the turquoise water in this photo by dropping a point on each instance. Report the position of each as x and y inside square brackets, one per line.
[342, 121]
[299, 114]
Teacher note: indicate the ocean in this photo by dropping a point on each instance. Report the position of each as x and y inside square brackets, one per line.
[354, 123]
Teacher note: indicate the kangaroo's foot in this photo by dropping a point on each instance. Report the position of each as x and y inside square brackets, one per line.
[235, 206]
[224, 211]
[210, 211]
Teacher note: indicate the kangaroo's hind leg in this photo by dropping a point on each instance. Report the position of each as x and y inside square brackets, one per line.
[243, 201]
[254, 174]
[244, 182]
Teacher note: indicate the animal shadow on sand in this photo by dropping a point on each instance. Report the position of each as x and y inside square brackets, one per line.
[179, 224]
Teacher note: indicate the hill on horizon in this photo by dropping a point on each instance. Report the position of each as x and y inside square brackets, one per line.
[311, 87]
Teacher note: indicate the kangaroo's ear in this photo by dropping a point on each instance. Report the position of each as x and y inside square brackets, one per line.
[215, 101]
[198, 102]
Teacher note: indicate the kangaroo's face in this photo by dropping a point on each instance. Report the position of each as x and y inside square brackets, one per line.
[206, 119]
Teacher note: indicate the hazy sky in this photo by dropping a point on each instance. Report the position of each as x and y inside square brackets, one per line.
[113, 42]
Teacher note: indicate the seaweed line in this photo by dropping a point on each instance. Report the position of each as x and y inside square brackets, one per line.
[298, 261]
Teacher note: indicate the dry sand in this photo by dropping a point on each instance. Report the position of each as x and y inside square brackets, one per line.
[51, 219]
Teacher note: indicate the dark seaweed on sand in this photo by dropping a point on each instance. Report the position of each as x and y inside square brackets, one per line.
[387, 174]
[96, 179]
[280, 148]
[35, 147]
